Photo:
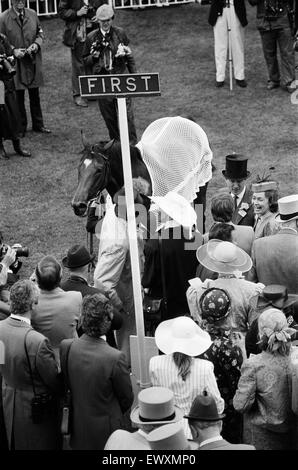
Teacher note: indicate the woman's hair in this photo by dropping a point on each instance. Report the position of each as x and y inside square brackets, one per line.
[97, 314]
[183, 362]
[272, 196]
[48, 273]
[222, 208]
[23, 295]
[221, 231]
[274, 332]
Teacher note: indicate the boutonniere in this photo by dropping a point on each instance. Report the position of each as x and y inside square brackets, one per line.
[244, 206]
[122, 50]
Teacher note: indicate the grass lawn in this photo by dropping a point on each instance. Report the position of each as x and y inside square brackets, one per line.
[177, 42]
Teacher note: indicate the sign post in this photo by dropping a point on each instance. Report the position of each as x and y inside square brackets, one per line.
[121, 86]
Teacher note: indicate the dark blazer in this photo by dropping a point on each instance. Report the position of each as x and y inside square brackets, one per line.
[101, 390]
[216, 9]
[225, 445]
[275, 260]
[248, 218]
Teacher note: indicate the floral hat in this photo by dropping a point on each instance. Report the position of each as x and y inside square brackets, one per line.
[215, 304]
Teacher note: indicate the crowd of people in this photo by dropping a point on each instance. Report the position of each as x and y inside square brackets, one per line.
[227, 320]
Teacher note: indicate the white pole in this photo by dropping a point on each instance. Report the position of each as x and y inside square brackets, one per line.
[133, 243]
[229, 45]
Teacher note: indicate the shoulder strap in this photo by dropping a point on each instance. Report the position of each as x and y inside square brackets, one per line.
[28, 360]
[163, 279]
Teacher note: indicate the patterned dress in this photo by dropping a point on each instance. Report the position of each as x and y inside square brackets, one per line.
[227, 360]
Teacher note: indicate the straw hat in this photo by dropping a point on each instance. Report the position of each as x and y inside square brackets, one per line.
[223, 257]
[156, 406]
[264, 186]
[183, 335]
[177, 207]
[288, 208]
[170, 437]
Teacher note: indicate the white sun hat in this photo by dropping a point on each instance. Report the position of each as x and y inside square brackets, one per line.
[181, 334]
[223, 257]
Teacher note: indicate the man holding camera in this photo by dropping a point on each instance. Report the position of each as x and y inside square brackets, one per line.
[275, 23]
[78, 16]
[22, 29]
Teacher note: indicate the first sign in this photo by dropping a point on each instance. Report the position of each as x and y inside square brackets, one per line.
[134, 84]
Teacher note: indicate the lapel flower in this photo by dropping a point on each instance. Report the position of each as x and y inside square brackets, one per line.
[122, 50]
[244, 206]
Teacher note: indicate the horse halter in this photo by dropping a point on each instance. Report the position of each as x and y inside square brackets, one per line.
[105, 174]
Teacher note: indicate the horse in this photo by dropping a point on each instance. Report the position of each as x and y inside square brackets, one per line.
[100, 168]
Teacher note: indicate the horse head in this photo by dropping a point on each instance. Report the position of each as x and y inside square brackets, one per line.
[93, 175]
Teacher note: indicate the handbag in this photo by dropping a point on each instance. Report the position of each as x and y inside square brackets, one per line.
[155, 309]
[66, 403]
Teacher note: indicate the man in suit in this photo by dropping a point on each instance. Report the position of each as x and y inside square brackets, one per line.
[228, 19]
[77, 261]
[275, 257]
[236, 175]
[98, 377]
[58, 312]
[22, 28]
[206, 425]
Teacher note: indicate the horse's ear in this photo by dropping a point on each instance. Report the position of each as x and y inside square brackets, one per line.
[84, 141]
[109, 144]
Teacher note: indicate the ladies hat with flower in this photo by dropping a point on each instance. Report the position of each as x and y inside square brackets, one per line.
[182, 335]
[215, 304]
[273, 324]
[223, 257]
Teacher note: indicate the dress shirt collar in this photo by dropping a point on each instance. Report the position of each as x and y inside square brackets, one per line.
[21, 318]
[239, 196]
[211, 439]
[142, 433]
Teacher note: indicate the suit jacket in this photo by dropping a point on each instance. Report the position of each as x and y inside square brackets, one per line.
[247, 217]
[242, 235]
[266, 226]
[216, 9]
[225, 445]
[101, 390]
[17, 390]
[57, 315]
[124, 440]
[275, 260]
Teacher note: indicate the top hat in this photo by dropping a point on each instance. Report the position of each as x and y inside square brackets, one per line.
[288, 208]
[77, 256]
[223, 257]
[104, 12]
[170, 437]
[177, 207]
[264, 186]
[236, 167]
[204, 408]
[181, 334]
[156, 406]
[276, 296]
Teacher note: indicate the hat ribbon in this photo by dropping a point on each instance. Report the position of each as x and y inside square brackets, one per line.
[288, 216]
[167, 418]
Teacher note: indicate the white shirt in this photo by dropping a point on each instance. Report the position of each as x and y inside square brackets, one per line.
[239, 196]
[211, 439]
[19, 317]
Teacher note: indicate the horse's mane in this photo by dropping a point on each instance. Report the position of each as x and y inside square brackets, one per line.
[102, 150]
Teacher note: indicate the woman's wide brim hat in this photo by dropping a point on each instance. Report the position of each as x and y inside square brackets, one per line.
[223, 257]
[182, 334]
[236, 167]
[177, 208]
[77, 256]
[156, 406]
[288, 208]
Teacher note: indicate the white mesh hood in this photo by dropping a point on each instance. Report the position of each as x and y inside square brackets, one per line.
[178, 157]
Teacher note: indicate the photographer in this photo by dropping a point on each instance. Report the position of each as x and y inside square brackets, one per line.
[275, 24]
[10, 120]
[78, 16]
[22, 28]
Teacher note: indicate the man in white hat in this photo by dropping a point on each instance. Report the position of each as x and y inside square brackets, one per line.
[275, 257]
[106, 52]
[155, 408]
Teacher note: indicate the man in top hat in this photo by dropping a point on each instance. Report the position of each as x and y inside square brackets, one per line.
[105, 52]
[273, 296]
[206, 424]
[78, 16]
[154, 409]
[275, 257]
[264, 200]
[236, 175]
[77, 262]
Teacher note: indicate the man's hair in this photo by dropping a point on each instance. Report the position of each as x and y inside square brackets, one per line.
[222, 208]
[23, 295]
[97, 314]
[196, 423]
[221, 231]
[48, 273]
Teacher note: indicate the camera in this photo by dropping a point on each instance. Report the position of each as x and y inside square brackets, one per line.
[41, 407]
[272, 9]
[4, 62]
[21, 251]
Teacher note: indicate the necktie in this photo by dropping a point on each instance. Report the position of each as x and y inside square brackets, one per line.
[235, 202]
[256, 222]
[21, 16]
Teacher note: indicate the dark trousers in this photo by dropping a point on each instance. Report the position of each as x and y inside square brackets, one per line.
[77, 67]
[109, 110]
[35, 108]
[285, 72]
